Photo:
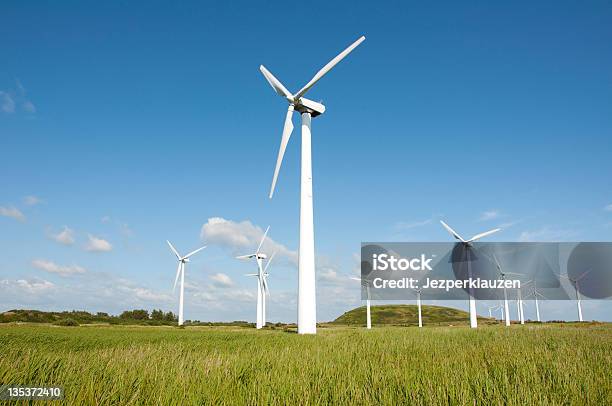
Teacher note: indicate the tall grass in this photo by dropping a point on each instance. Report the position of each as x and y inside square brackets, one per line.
[164, 365]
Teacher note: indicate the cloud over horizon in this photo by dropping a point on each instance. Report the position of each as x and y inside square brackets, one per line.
[62, 270]
[242, 238]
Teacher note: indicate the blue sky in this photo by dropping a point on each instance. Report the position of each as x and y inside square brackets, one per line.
[133, 123]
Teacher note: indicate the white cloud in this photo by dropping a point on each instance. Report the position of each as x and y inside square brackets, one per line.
[331, 277]
[489, 215]
[12, 212]
[608, 207]
[27, 286]
[242, 238]
[66, 236]
[10, 99]
[145, 294]
[62, 270]
[32, 200]
[7, 104]
[545, 234]
[222, 280]
[96, 244]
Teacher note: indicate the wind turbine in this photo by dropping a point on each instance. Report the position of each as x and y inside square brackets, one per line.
[575, 282]
[182, 260]
[535, 295]
[519, 306]
[503, 274]
[307, 306]
[262, 284]
[493, 308]
[468, 244]
[368, 314]
[418, 292]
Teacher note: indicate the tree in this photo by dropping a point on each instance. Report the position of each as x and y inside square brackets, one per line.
[138, 314]
[157, 315]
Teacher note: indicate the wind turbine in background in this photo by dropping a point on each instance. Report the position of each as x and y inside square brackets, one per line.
[468, 244]
[575, 282]
[418, 292]
[182, 260]
[307, 306]
[534, 293]
[519, 306]
[368, 314]
[262, 283]
[494, 308]
[503, 274]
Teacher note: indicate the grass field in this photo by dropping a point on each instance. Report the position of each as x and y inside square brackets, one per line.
[539, 364]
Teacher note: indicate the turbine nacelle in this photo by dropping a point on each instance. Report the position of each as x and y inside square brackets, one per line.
[304, 105]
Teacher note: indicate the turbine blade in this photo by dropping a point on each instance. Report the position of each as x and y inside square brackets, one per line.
[356, 279]
[270, 260]
[452, 232]
[264, 282]
[262, 240]
[327, 68]
[479, 236]
[497, 263]
[246, 256]
[194, 252]
[583, 275]
[287, 130]
[251, 274]
[173, 249]
[276, 84]
[178, 272]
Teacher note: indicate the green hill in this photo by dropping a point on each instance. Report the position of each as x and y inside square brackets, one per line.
[407, 315]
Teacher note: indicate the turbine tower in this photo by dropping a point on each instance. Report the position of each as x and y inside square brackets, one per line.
[307, 306]
[368, 314]
[503, 274]
[418, 292]
[182, 260]
[468, 244]
[262, 283]
[576, 282]
[535, 295]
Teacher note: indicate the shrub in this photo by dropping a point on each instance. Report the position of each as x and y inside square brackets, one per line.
[67, 323]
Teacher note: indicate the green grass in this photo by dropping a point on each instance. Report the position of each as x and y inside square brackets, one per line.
[407, 315]
[531, 364]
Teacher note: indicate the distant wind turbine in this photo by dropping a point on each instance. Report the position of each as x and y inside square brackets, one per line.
[576, 282]
[262, 282]
[534, 293]
[368, 314]
[182, 260]
[468, 245]
[418, 292]
[503, 274]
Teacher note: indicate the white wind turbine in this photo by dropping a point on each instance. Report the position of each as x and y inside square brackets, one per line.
[368, 314]
[492, 309]
[182, 260]
[307, 307]
[262, 282]
[503, 274]
[468, 243]
[576, 282]
[418, 292]
[534, 293]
